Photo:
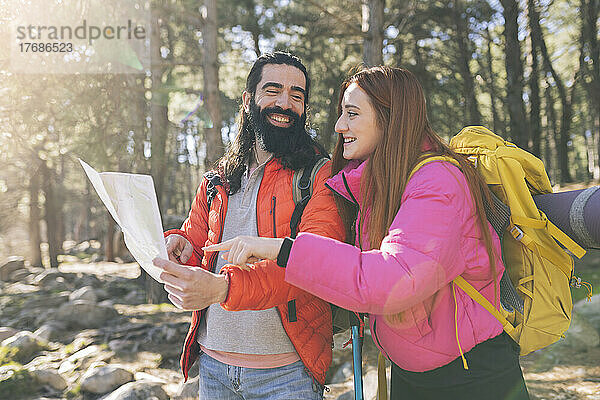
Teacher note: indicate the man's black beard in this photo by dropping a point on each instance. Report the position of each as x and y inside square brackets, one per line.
[275, 139]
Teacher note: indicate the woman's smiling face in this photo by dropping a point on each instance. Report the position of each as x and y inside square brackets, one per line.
[357, 124]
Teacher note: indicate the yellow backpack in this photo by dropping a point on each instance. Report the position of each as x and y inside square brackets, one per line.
[535, 288]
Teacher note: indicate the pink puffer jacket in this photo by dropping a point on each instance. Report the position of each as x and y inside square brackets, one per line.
[433, 239]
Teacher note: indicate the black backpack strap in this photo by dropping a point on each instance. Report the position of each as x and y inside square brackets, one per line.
[302, 188]
[303, 182]
[214, 180]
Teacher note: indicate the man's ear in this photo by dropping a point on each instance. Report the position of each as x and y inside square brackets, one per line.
[246, 97]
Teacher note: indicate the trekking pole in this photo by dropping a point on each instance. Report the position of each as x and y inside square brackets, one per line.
[357, 356]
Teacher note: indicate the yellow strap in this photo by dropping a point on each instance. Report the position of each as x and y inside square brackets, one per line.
[556, 233]
[478, 297]
[382, 393]
[526, 279]
[525, 291]
[529, 222]
[565, 240]
[429, 159]
[534, 246]
[462, 355]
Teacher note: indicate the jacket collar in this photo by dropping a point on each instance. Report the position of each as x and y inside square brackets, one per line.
[346, 183]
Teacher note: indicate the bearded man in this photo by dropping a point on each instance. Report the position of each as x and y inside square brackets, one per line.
[254, 335]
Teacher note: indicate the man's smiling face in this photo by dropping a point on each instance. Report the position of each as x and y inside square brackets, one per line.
[277, 110]
[281, 87]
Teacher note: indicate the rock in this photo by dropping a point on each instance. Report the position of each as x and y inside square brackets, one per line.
[83, 358]
[47, 302]
[117, 345]
[46, 277]
[19, 275]
[144, 376]
[49, 360]
[349, 395]
[84, 314]
[43, 316]
[187, 390]
[581, 334]
[50, 377]
[49, 331]
[86, 293]
[590, 310]
[88, 280]
[83, 247]
[343, 372]
[101, 293]
[134, 297]
[107, 303]
[10, 265]
[6, 332]
[26, 345]
[53, 279]
[138, 391]
[105, 378]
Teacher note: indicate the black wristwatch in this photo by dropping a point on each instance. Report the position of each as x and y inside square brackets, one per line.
[284, 252]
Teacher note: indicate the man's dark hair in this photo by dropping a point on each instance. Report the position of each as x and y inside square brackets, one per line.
[233, 164]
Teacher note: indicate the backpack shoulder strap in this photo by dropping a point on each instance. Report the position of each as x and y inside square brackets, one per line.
[485, 303]
[302, 189]
[214, 180]
[426, 159]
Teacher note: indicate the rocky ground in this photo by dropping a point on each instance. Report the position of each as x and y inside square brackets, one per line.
[82, 331]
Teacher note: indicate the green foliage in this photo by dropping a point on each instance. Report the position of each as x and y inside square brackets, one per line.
[7, 354]
[73, 391]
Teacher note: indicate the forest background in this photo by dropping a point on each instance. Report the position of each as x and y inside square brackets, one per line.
[529, 70]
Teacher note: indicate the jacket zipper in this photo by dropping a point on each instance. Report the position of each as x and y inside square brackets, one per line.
[273, 202]
[352, 200]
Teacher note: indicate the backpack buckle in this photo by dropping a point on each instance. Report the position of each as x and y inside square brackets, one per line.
[473, 160]
[516, 232]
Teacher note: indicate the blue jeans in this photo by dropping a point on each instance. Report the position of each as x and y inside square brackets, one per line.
[220, 381]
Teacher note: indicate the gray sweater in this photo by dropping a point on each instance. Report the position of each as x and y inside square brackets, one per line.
[246, 332]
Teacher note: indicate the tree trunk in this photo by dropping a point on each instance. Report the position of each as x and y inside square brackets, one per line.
[490, 80]
[551, 134]
[519, 129]
[212, 99]
[35, 238]
[159, 109]
[372, 27]
[589, 11]
[60, 201]
[159, 131]
[534, 84]
[472, 114]
[50, 215]
[565, 98]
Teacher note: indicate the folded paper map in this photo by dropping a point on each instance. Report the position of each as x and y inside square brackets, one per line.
[131, 200]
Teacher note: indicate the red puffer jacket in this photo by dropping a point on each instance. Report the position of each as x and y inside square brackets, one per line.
[263, 286]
